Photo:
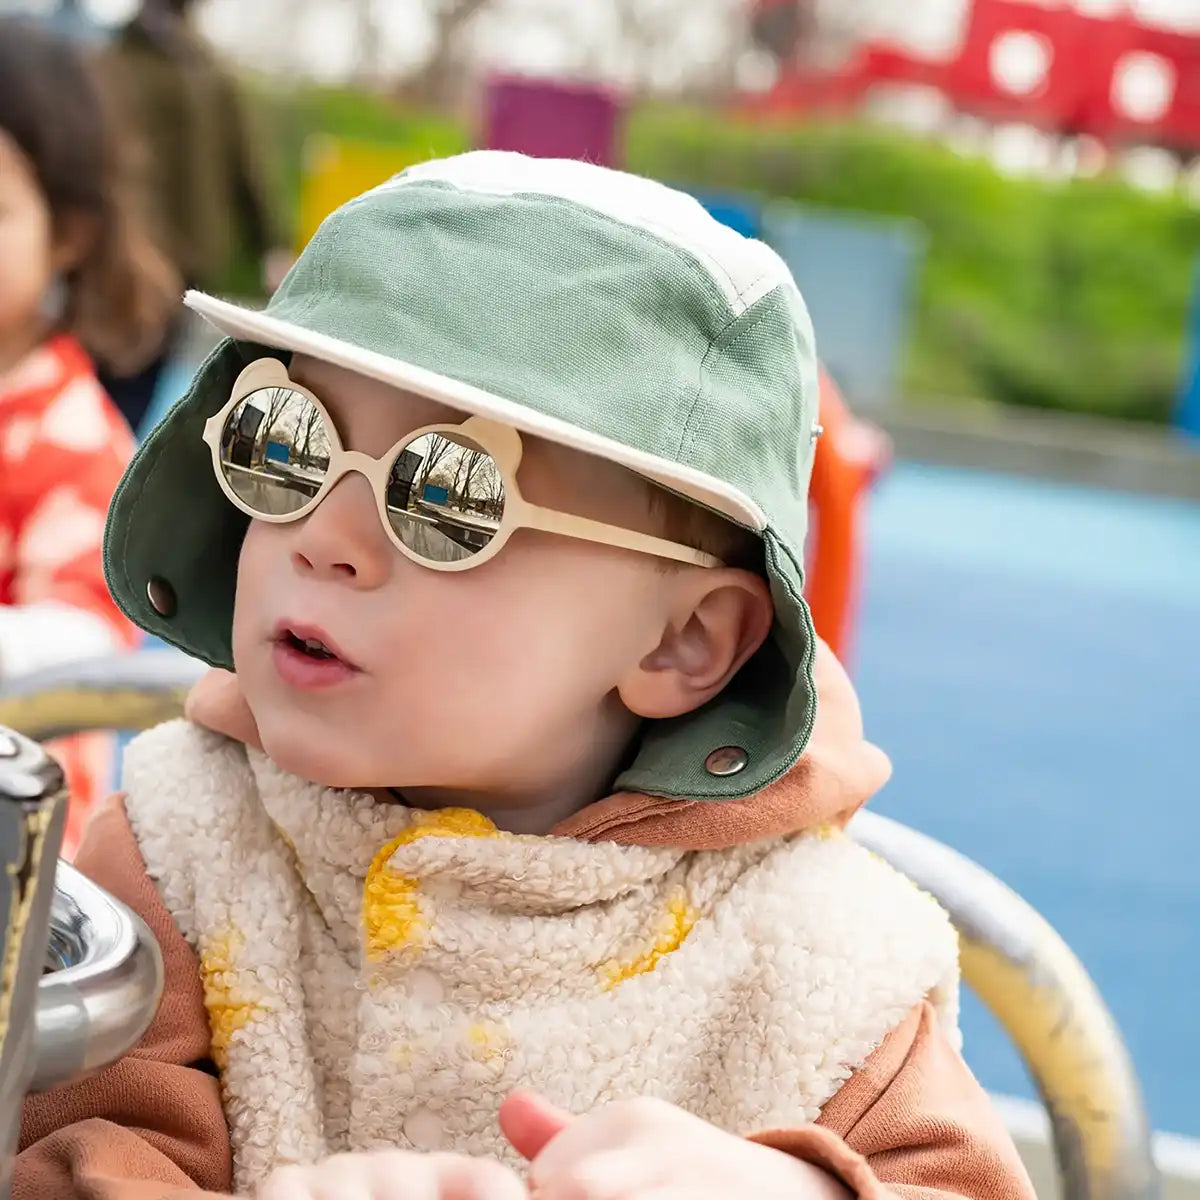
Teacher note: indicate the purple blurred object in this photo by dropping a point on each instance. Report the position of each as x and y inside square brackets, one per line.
[549, 119]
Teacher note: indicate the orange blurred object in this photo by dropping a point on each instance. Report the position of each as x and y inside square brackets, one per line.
[851, 455]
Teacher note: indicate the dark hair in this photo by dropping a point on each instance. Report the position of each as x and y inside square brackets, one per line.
[122, 295]
[163, 23]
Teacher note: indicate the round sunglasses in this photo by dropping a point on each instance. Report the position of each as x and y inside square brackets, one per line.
[447, 494]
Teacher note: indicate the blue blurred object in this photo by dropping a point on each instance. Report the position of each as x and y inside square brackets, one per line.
[858, 276]
[740, 212]
[69, 18]
[1188, 415]
[172, 384]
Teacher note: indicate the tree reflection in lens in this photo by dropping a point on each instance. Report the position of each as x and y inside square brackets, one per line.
[275, 450]
[445, 497]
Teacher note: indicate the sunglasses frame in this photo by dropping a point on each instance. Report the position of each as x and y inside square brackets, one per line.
[501, 442]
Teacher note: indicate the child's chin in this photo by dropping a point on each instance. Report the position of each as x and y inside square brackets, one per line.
[319, 764]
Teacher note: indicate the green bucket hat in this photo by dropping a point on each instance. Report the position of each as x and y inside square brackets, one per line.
[582, 305]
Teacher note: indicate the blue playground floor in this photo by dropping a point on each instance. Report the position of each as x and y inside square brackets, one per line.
[1029, 655]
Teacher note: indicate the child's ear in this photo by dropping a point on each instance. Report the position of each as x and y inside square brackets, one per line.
[721, 618]
[75, 234]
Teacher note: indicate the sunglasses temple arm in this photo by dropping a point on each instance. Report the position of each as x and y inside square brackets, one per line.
[568, 525]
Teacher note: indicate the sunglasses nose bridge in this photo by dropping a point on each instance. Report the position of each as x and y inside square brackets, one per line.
[351, 462]
[356, 460]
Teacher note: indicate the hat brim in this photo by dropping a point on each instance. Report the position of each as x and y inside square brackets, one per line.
[249, 325]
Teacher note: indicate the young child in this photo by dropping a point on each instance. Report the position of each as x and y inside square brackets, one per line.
[73, 269]
[510, 862]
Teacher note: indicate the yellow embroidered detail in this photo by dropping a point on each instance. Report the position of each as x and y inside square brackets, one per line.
[392, 916]
[488, 1041]
[400, 1055]
[828, 832]
[670, 933]
[226, 998]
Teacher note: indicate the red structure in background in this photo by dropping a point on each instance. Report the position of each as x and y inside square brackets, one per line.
[1114, 78]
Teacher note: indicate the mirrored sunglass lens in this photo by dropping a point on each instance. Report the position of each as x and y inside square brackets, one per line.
[445, 497]
[274, 450]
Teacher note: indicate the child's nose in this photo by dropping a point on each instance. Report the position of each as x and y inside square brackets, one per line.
[343, 539]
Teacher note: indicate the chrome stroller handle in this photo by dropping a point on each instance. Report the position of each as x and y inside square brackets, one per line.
[80, 974]
[33, 805]
[104, 983]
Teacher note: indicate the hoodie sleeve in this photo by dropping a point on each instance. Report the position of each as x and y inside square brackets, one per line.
[150, 1127]
[913, 1123]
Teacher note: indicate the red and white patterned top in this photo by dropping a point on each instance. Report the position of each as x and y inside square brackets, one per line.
[63, 448]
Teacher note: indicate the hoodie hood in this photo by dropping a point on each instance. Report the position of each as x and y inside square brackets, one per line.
[835, 776]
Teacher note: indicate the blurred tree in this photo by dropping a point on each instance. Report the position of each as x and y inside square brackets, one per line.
[664, 48]
[431, 52]
[439, 80]
[779, 26]
[368, 41]
[682, 49]
[812, 30]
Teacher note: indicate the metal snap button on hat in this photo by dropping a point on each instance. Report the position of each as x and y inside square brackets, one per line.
[728, 760]
[424, 1130]
[162, 596]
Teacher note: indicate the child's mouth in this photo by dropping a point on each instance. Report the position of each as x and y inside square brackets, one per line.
[305, 658]
[313, 647]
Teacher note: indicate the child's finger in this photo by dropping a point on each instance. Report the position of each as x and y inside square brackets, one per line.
[293, 1183]
[396, 1175]
[606, 1175]
[474, 1179]
[529, 1121]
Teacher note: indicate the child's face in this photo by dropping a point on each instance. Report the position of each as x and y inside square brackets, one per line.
[503, 680]
[33, 249]
[26, 245]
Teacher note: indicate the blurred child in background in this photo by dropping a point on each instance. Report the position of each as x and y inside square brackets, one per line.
[79, 282]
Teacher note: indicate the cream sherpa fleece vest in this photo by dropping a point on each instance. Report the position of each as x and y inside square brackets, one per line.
[377, 976]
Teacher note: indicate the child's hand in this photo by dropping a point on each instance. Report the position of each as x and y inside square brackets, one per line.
[650, 1150]
[395, 1175]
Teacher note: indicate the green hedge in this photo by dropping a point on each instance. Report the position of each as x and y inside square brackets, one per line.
[282, 120]
[1070, 296]
[355, 115]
